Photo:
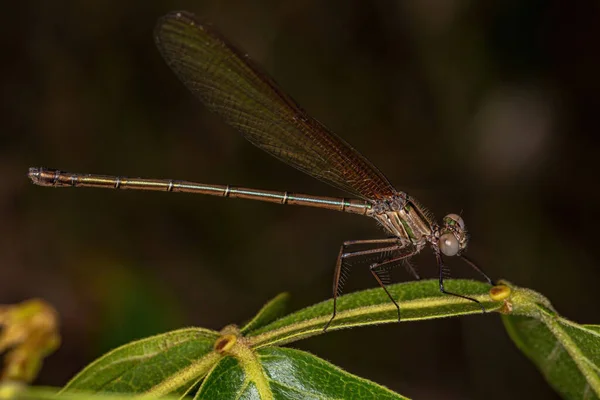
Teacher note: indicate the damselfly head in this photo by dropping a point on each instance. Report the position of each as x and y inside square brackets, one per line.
[454, 237]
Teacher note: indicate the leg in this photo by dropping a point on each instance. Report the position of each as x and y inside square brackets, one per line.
[441, 267]
[341, 269]
[370, 241]
[410, 269]
[376, 271]
[476, 268]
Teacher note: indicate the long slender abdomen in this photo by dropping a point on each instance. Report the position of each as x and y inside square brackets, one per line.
[56, 178]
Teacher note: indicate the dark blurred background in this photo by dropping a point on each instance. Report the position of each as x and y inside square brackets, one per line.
[485, 108]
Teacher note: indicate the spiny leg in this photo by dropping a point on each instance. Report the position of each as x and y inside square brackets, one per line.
[349, 243]
[443, 290]
[478, 269]
[377, 270]
[341, 268]
[411, 270]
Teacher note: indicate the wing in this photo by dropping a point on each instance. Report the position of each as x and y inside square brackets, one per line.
[231, 85]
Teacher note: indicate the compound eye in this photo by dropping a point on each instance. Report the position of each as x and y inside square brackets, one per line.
[448, 244]
[457, 219]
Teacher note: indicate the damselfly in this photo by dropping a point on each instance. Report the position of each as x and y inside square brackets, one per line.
[231, 85]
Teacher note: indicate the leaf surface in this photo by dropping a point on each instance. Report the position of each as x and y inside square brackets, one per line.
[245, 364]
[567, 354]
[288, 374]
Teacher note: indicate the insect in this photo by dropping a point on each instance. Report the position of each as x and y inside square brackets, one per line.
[230, 84]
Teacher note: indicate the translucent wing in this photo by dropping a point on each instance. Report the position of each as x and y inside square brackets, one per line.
[231, 85]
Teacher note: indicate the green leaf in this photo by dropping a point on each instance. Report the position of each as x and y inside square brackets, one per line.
[567, 354]
[287, 374]
[270, 312]
[417, 300]
[243, 364]
[15, 391]
[158, 365]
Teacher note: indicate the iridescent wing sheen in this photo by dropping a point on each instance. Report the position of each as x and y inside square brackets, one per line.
[231, 85]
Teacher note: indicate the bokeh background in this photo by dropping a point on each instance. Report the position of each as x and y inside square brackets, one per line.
[485, 108]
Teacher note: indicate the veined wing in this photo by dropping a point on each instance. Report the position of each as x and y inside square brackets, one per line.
[230, 84]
